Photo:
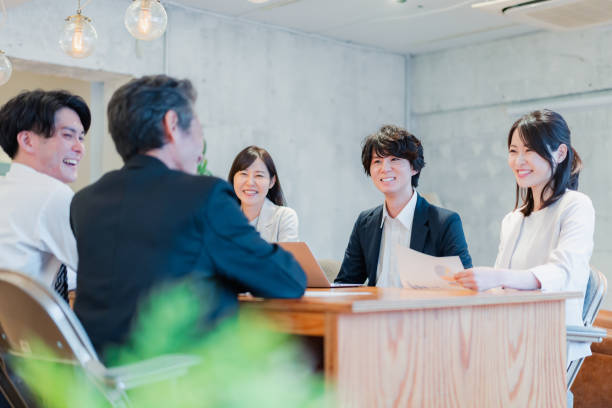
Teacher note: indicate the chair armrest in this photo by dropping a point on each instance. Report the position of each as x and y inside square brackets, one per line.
[585, 334]
[150, 371]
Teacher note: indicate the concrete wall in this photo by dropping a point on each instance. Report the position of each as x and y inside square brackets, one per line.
[308, 100]
[465, 100]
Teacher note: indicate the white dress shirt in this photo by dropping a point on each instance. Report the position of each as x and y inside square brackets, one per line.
[395, 231]
[35, 234]
[555, 244]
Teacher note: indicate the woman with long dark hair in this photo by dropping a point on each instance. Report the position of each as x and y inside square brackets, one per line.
[547, 241]
[257, 186]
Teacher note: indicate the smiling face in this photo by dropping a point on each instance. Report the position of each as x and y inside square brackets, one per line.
[392, 175]
[59, 155]
[252, 184]
[530, 169]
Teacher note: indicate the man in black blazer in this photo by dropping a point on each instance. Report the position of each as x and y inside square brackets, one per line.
[393, 158]
[156, 221]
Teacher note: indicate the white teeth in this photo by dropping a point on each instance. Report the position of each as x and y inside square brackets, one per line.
[71, 162]
[388, 179]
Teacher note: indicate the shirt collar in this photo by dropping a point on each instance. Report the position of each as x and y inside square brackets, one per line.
[406, 215]
[18, 170]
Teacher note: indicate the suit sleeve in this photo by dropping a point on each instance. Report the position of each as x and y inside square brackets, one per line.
[288, 226]
[353, 269]
[453, 240]
[569, 259]
[240, 255]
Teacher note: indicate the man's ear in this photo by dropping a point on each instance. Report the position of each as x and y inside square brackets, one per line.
[26, 141]
[170, 124]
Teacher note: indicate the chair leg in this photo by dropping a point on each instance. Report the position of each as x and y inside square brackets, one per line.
[8, 389]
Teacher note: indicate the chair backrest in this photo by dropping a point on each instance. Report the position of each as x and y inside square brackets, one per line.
[597, 287]
[331, 267]
[34, 321]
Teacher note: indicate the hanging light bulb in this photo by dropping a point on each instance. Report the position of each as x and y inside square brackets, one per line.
[146, 19]
[6, 68]
[78, 37]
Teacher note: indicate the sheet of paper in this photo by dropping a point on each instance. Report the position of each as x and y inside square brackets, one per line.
[419, 271]
[316, 293]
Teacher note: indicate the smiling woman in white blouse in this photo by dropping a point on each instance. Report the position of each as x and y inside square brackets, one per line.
[256, 184]
[547, 241]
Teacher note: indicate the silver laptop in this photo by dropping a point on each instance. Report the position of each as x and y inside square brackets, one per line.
[315, 276]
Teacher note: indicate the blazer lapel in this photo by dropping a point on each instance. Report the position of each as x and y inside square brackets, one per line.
[510, 243]
[420, 225]
[266, 220]
[373, 234]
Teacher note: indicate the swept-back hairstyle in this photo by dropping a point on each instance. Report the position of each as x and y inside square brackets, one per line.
[245, 158]
[137, 109]
[35, 111]
[544, 131]
[394, 141]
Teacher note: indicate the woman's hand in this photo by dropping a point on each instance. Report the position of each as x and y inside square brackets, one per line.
[479, 278]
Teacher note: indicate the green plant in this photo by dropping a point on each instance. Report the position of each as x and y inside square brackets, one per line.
[244, 362]
[202, 170]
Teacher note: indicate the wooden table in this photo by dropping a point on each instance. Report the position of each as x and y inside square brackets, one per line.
[426, 348]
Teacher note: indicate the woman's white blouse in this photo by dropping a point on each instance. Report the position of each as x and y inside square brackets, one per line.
[555, 244]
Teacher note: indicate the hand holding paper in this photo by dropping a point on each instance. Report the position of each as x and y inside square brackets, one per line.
[418, 270]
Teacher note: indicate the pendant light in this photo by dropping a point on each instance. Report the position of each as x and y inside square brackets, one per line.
[78, 37]
[6, 68]
[146, 19]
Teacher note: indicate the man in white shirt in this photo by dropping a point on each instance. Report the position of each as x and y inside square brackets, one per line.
[393, 158]
[43, 133]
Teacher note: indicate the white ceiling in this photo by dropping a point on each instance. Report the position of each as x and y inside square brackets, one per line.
[415, 26]
[412, 27]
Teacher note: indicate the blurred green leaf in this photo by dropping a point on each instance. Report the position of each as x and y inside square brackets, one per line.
[244, 362]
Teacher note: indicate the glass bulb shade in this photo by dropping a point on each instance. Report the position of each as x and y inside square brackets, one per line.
[146, 19]
[78, 37]
[6, 69]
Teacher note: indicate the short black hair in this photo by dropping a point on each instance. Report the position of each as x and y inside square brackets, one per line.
[395, 141]
[35, 111]
[136, 112]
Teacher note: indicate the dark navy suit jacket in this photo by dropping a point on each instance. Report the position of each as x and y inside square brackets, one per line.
[144, 225]
[435, 231]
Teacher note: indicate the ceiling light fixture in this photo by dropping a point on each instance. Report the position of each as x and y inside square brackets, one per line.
[146, 19]
[258, 1]
[78, 37]
[6, 68]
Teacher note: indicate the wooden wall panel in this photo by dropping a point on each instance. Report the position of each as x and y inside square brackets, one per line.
[482, 356]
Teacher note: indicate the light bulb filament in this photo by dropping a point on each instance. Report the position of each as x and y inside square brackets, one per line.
[77, 39]
[144, 19]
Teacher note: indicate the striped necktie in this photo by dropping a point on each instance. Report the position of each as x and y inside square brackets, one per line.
[61, 282]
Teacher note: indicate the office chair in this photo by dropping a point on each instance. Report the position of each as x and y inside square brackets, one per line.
[35, 320]
[593, 297]
[331, 267]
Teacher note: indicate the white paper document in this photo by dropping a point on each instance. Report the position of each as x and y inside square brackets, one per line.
[419, 271]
